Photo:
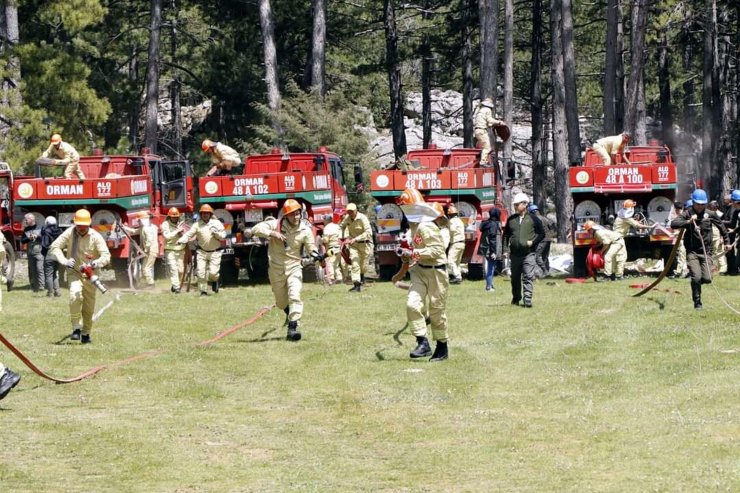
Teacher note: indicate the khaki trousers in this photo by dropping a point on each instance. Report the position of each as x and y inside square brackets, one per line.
[209, 266]
[358, 254]
[484, 141]
[287, 291]
[82, 304]
[334, 266]
[148, 267]
[605, 157]
[680, 260]
[615, 258]
[454, 256]
[73, 169]
[428, 285]
[718, 251]
[175, 262]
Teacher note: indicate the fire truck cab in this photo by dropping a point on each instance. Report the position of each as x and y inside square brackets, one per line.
[647, 176]
[315, 179]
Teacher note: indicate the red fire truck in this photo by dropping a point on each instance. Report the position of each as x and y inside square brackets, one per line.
[315, 179]
[11, 226]
[449, 176]
[117, 188]
[647, 176]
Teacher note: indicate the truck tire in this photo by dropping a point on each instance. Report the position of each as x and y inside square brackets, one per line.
[8, 267]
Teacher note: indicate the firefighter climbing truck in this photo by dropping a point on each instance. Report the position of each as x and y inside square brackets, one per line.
[315, 179]
[117, 189]
[448, 176]
[647, 176]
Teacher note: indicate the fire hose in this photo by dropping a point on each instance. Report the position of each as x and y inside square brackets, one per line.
[706, 256]
[666, 267]
[149, 354]
[139, 255]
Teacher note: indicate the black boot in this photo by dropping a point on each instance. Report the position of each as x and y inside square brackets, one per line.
[422, 348]
[75, 335]
[8, 380]
[356, 288]
[440, 352]
[287, 312]
[696, 295]
[214, 286]
[293, 333]
[362, 279]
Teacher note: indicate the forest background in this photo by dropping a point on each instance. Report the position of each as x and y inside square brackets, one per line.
[298, 74]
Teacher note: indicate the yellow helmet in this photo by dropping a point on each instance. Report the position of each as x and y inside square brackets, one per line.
[173, 212]
[290, 205]
[82, 218]
[56, 138]
[410, 196]
[629, 204]
[206, 145]
[588, 225]
[205, 208]
[438, 207]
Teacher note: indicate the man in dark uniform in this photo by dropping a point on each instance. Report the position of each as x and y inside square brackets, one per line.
[522, 234]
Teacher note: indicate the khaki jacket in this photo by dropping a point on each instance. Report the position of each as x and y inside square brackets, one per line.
[359, 229]
[66, 153]
[332, 235]
[286, 256]
[457, 230]
[82, 249]
[606, 237]
[171, 233]
[612, 145]
[428, 244]
[484, 118]
[208, 235]
[623, 225]
[148, 236]
[225, 154]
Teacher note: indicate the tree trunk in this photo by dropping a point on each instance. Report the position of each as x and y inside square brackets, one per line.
[634, 86]
[539, 162]
[571, 95]
[467, 7]
[711, 174]
[610, 67]
[135, 103]
[175, 88]
[270, 60]
[318, 47]
[488, 15]
[508, 74]
[619, 86]
[689, 113]
[152, 77]
[394, 79]
[664, 87]
[9, 35]
[426, 79]
[563, 201]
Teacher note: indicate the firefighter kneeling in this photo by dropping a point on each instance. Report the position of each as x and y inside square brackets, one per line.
[613, 249]
[429, 281]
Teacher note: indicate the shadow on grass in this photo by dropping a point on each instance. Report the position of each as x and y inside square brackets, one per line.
[263, 337]
[661, 305]
[396, 337]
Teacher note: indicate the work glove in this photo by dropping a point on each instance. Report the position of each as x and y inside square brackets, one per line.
[70, 263]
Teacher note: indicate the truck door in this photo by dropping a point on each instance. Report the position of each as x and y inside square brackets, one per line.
[338, 187]
[172, 178]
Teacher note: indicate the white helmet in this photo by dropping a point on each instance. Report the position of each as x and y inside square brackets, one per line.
[519, 198]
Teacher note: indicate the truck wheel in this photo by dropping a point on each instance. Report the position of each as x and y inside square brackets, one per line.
[475, 272]
[8, 267]
[579, 262]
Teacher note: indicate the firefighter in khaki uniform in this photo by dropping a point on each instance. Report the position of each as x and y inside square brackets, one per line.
[360, 242]
[613, 249]
[149, 242]
[83, 245]
[428, 272]
[483, 120]
[223, 158]
[208, 232]
[65, 154]
[625, 219]
[290, 238]
[174, 252]
[332, 238]
[457, 244]
[608, 147]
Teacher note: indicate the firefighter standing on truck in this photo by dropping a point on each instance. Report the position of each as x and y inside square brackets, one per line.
[428, 272]
[457, 244]
[149, 242]
[613, 249]
[64, 153]
[697, 238]
[223, 158]
[360, 243]
[289, 239]
[208, 232]
[174, 252]
[484, 120]
[83, 246]
[609, 147]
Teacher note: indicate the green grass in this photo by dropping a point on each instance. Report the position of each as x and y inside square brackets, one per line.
[592, 390]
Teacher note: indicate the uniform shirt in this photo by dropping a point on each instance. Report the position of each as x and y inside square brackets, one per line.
[332, 235]
[445, 232]
[692, 239]
[148, 236]
[612, 145]
[428, 244]
[171, 235]
[484, 118]
[457, 230]
[359, 229]
[208, 235]
[82, 249]
[222, 152]
[66, 153]
[622, 225]
[285, 256]
[606, 237]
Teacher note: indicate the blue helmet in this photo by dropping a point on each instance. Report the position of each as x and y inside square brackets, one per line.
[735, 196]
[688, 204]
[533, 207]
[699, 196]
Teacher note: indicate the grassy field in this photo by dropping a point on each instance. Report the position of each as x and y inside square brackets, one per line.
[592, 390]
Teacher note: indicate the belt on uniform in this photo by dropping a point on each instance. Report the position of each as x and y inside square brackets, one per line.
[208, 251]
[455, 242]
[438, 267]
[363, 241]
